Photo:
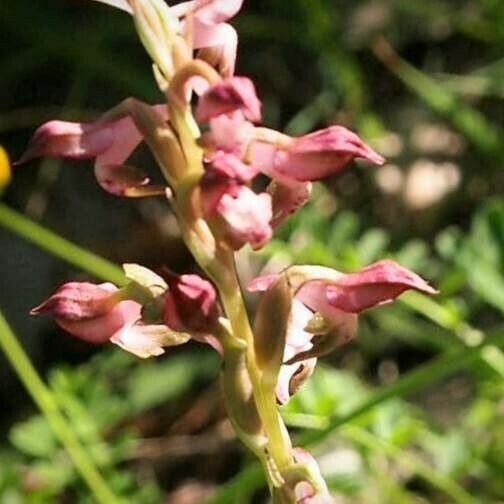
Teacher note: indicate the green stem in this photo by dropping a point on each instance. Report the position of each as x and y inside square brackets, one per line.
[59, 247]
[429, 373]
[424, 375]
[45, 400]
[278, 440]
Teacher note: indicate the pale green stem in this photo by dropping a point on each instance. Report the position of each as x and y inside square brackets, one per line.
[59, 247]
[418, 379]
[278, 440]
[48, 405]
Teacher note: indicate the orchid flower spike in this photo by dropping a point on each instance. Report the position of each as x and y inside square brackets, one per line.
[325, 308]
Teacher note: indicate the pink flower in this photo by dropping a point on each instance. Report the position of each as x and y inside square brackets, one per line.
[312, 157]
[96, 314]
[88, 311]
[190, 303]
[191, 306]
[226, 145]
[237, 214]
[230, 95]
[109, 142]
[334, 300]
[230, 133]
[213, 34]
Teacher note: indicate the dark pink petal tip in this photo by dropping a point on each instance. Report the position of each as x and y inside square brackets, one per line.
[68, 140]
[376, 284]
[75, 301]
[230, 95]
[190, 304]
[389, 272]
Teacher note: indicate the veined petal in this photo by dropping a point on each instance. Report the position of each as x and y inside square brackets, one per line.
[231, 166]
[126, 139]
[376, 284]
[190, 304]
[230, 133]
[101, 329]
[212, 12]
[312, 157]
[88, 311]
[247, 217]
[76, 301]
[222, 39]
[147, 340]
[230, 95]
[69, 140]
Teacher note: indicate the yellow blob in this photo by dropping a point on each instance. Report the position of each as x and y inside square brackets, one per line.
[5, 169]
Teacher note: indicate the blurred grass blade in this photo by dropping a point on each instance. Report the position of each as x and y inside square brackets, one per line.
[426, 375]
[59, 247]
[413, 381]
[48, 405]
[410, 462]
[487, 137]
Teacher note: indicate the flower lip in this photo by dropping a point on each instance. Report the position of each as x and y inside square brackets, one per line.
[190, 303]
[68, 140]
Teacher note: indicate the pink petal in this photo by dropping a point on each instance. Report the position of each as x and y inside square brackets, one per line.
[69, 140]
[88, 311]
[314, 156]
[262, 283]
[313, 294]
[246, 216]
[101, 329]
[377, 284]
[231, 166]
[223, 40]
[190, 304]
[75, 301]
[230, 133]
[212, 12]
[230, 95]
[126, 139]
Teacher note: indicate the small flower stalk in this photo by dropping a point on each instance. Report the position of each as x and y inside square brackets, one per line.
[210, 151]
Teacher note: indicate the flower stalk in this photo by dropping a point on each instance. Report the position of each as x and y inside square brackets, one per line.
[210, 156]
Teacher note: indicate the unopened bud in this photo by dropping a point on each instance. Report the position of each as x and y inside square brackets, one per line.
[158, 29]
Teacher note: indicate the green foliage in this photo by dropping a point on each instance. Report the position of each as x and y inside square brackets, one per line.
[409, 413]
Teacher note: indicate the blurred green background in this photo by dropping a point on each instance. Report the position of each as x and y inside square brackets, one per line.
[412, 411]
